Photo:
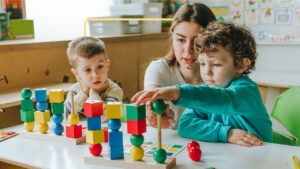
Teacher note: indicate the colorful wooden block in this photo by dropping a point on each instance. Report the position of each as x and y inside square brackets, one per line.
[115, 138]
[93, 108]
[94, 123]
[135, 113]
[42, 117]
[105, 134]
[116, 152]
[74, 131]
[40, 95]
[94, 136]
[26, 104]
[56, 96]
[136, 127]
[113, 110]
[27, 115]
[57, 108]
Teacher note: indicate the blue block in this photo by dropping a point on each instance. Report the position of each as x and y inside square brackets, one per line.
[40, 95]
[115, 138]
[116, 152]
[94, 123]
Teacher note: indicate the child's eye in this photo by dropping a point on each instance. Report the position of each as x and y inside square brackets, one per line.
[100, 66]
[217, 65]
[202, 64]
[87, 70]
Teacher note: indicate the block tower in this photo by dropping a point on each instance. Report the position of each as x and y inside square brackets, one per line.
[93, 110]
[73, 130]
[136, 126]
[56, 99]
[42, 115]
[115, 137]
[159, 107]
[27, 110]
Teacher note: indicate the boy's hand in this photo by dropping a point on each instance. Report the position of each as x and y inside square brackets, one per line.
[243, 138]
[166, 119]
[102, 87]
[84, 87]
[164, 93]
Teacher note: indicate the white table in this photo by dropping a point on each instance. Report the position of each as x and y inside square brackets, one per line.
[43, 154]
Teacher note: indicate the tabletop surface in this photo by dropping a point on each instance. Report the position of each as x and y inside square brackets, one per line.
[48, 154]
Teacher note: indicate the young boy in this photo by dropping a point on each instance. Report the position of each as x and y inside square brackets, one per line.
[228, 107]
[90, 66]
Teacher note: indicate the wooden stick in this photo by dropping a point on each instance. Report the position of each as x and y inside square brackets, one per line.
[159, 131]
[72, 103]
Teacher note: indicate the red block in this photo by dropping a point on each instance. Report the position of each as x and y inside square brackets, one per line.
[136, 127]
[105, 135]
[93, 108]
[74, 131]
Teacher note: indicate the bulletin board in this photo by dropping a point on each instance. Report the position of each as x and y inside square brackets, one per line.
[271, 21]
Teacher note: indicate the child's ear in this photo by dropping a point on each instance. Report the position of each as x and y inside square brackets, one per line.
[108, 63]
[244, 65]
[74, 71]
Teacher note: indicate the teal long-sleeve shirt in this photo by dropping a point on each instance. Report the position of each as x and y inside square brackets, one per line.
[211, 111]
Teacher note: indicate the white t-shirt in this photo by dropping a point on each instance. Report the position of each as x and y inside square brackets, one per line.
[160, 73]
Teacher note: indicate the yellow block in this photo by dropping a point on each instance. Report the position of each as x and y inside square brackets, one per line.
[42, 117]
[94, 136]
[56, 96]
[113, 110]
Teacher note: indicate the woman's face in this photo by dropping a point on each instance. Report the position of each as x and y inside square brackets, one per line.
[184, 34]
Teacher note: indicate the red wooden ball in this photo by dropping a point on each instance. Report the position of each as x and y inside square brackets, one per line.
[195, 153]
[193, 143]
[95, 149]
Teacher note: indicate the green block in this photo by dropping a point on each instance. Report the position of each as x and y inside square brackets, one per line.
[57, 108]
[27, 115]
[135, 113]
[26, 104]
[21, 28]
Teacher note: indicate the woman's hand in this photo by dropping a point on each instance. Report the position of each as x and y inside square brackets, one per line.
[167, 118]
[243, 138]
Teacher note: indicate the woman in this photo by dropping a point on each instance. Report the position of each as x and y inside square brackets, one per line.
[180, 65]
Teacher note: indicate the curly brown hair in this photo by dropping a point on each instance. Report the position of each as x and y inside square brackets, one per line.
[235, 38]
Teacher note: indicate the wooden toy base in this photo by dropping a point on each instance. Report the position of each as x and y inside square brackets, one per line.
[127, 163]
[52, 137]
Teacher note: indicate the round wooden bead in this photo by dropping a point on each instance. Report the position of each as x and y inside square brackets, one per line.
[158, 106]
[137, 140]
[73, 119]
[58, 129]
[26, 93]
[195, 153]
[41, 106]
[28, 126]
[193, 143]
[57, 118]
[160, 155]
[137, 153]
[114, 124]
[43, 127]
[95, 149]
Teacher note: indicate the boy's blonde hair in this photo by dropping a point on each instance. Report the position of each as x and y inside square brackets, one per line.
[237, 39]
[85, 47]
